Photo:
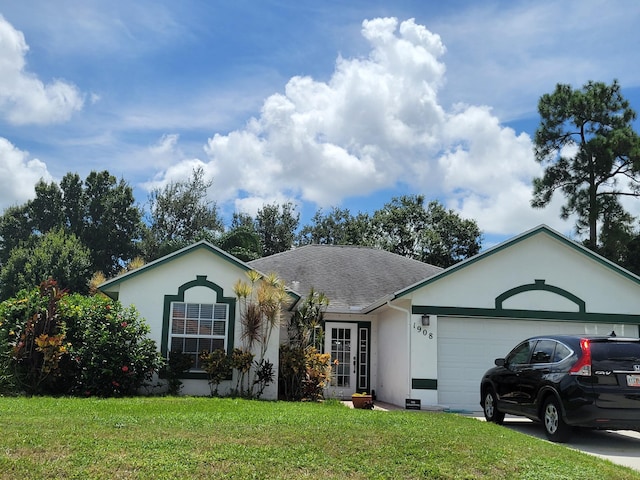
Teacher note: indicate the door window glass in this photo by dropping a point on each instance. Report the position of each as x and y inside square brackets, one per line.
[521, 354]
[544, 351]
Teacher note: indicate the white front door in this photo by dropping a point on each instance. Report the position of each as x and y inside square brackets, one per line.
[341, 341]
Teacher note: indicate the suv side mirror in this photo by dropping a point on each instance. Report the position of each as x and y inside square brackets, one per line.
[500, 362]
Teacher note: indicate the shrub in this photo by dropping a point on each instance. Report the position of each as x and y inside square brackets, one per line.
[109, 346]
[33, 345]
[172, 370]
[292, 369]
[317, 374]
[217, 364]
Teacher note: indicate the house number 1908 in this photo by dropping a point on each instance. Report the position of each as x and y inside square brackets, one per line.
[425, 332]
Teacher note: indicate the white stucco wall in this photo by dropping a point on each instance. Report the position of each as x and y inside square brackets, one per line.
[147, 289]
[393, 357]
[540, 257]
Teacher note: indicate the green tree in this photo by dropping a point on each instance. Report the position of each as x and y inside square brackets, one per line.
[399, 224]
[449, 238]
[433, 234]
[15, 229]
[590, 152]
[242, 242]
[45, 210]
[53, 255]
[112, 221]
[337, 227]
[276, 226]
[180, 214]
[100, 212]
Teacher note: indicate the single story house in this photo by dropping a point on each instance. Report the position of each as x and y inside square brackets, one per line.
[401, 328]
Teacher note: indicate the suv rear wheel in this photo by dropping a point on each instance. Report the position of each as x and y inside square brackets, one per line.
[491, 412]
[554, 426]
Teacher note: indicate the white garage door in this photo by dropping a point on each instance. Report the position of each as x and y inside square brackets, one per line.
[467, 348]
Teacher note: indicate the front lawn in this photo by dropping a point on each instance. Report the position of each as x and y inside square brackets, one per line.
[155, 438]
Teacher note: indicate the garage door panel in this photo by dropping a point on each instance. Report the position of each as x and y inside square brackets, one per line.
[467, 347]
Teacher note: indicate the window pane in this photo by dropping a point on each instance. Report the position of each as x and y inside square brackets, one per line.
[178, 310]
[206, 310]
[219, 327]
[177, 345]
[177, 326]
[220, 312]
[217, 344]
[205, 327]
[193, 310]
[543, 353]
[192, 327]
[521, 354]
[191, 345]
[204, 345]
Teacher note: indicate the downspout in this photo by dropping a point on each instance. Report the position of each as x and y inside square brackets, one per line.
[408, 313]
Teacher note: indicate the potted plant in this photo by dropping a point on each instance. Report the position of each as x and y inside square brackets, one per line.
[362, 400]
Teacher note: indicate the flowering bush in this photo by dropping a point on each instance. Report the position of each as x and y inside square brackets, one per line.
[109, 346]
[52, 343]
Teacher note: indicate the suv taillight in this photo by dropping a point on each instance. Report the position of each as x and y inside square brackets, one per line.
[583, 366]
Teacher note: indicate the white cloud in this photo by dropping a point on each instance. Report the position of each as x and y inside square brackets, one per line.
[18, 175]
[346, 137]
[25, 99]
[377, 122]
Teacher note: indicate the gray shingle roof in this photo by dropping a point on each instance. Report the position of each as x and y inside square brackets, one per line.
[349, 276]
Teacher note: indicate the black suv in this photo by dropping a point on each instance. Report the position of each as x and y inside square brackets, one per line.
[565, 381]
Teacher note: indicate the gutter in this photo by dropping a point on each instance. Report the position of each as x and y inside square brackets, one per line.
[408, 313]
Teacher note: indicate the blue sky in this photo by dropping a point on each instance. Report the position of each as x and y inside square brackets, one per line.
[322, 103]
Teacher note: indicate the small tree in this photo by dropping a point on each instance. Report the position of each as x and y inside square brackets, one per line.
[261, 300]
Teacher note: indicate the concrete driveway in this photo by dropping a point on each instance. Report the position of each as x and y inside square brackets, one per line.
[621, 447]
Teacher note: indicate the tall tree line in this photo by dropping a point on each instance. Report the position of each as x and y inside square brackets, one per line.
[75, 229]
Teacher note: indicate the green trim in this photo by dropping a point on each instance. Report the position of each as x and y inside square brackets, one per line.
[172, 256]
[542, 229]
[200, 281]
[424, 383]
[540, 285]
[527, 314]
[366, 326]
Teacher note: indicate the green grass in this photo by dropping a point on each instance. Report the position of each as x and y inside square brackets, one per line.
[156, 438]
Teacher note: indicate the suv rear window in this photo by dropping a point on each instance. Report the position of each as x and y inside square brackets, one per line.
[615, 351]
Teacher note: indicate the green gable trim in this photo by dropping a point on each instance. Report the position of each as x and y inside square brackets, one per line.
[541, 286]
[172, 256]
[200, 281]
[424, 384]
[527, 314]
[531, 233]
